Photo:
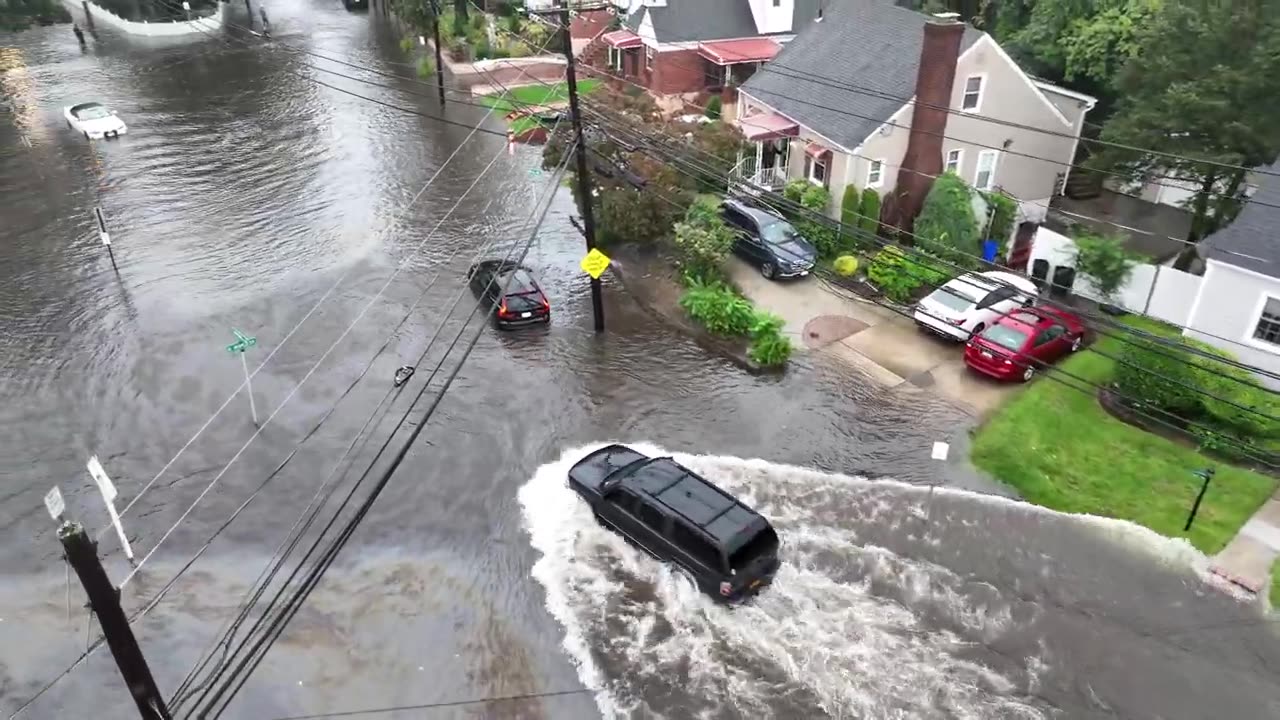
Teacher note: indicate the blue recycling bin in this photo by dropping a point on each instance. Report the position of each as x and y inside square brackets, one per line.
[989, 250]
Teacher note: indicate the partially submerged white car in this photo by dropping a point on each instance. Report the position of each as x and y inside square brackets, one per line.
[94, 121]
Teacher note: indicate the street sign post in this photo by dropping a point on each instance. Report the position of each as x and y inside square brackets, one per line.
[54, 503]
[108, 490]
[595, 263]
[244, 342]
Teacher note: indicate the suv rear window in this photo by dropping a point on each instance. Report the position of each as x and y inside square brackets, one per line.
[764, 544]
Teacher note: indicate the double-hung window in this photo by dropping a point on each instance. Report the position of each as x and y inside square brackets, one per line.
[984, 177]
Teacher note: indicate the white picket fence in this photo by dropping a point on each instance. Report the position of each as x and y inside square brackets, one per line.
[1156, 290]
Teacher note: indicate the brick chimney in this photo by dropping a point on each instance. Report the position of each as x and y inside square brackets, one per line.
[934, 80]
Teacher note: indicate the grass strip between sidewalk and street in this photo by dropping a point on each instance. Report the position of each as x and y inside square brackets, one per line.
[1275, 585]
[1059, 448]
[540, 95]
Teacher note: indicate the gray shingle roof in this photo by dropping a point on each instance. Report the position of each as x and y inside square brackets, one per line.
[871, 44]
[689, 21]
[1251, 241]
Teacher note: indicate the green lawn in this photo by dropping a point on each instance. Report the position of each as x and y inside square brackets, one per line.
[1060, 449]
[537, 95]
[1275, 586]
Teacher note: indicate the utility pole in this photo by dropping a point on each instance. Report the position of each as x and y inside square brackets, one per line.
[580, 153]
[435, 31]
[104, 601]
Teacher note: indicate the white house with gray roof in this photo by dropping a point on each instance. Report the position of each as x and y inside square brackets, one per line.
[1237, 307]
[837, 106]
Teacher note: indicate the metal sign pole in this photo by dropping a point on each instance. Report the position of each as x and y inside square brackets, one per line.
[241, 345]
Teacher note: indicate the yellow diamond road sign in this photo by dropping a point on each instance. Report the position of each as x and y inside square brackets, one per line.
[595, 263]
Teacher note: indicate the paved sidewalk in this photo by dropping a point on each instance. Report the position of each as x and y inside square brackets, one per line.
[1246, 560]
[820, 317]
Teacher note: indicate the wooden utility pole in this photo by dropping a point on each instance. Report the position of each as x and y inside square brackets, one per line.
[580, 155]
[435, 31]
[104, 601]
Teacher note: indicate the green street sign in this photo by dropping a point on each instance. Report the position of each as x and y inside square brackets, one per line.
[243, 342]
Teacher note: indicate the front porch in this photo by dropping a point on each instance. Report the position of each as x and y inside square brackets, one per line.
[764, 165]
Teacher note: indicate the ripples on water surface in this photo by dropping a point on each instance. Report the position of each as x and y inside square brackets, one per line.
[871, 615]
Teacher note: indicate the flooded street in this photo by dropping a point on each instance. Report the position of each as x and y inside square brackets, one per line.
[245, 196]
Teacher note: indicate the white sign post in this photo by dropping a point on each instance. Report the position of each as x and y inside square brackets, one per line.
[54, 503]
[109, 496]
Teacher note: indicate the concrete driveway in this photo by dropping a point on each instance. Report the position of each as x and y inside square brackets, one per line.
[821, 317]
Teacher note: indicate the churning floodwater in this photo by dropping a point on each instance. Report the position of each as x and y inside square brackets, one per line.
[246, 196]
[893, 601]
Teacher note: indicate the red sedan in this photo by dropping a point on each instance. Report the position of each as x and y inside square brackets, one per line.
[1018, 342]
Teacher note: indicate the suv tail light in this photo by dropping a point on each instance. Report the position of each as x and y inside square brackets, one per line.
[726, 589]
[502, 309]
[957, 321]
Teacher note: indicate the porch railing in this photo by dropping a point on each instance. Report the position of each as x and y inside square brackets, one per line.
[765, 178]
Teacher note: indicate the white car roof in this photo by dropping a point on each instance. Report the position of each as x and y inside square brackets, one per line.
[995, 278]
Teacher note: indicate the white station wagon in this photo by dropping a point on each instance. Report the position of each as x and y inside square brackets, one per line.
[966, 305]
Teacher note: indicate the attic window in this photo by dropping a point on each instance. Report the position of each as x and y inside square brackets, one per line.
[972, 99]
[777, 3]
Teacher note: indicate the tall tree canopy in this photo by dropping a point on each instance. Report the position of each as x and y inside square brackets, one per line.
[1203, 87]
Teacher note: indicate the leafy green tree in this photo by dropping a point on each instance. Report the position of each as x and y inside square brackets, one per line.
[1202, 91]
[946, 223]
[1076, 39]
[1106, 261]
[713, 107]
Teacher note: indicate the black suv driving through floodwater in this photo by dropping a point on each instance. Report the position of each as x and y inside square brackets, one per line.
[677, 516]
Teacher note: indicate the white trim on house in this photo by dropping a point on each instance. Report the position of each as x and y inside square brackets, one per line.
[1253, 273]
[1256, 318]
[1089, 100]
[946, 160]
[871, 164]
[982, 93]
[991, 173]
[1021, 73]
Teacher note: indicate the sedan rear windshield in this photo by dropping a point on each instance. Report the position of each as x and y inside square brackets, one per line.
[952, 297]
[764, 544]
[1005, 336]
[524, 302]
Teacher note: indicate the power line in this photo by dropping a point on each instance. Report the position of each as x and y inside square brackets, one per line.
[1131, 403]
[1047, 206]
[772, 65]
[831, 224]
[436, 705]
[258, 651]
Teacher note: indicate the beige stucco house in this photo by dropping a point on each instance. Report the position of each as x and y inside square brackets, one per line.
[838, 104]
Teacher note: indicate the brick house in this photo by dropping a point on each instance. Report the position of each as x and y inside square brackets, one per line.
[680, 48]
[838, 106]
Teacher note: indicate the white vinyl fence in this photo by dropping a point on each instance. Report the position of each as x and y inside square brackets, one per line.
[1159, 291]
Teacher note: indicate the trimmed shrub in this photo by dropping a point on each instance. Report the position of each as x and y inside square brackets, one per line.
[406, 44]
[870, 220]
[899, 276]
[851, 206]
[718, 308]
[946, 222]
[825, 239]
[794, 189]
[816, 198]
[846, 265]
[713, 107]
[426, 67]
[769, 347]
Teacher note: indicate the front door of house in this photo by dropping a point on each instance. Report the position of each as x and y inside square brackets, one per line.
[773, 157]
